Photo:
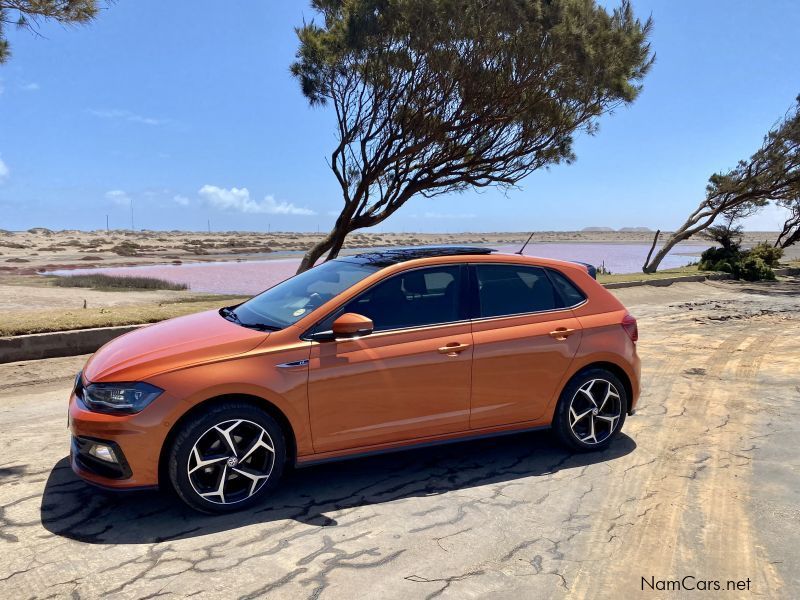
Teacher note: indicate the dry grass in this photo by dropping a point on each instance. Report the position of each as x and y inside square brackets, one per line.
[109, 282]
[22, 322]
[665, 274]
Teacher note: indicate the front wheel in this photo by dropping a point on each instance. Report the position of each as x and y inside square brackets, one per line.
[591, 410]
[228, 458]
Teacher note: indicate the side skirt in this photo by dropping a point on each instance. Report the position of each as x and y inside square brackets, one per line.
[312, 461]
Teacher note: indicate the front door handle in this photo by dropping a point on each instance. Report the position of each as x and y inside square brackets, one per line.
[453, 348]
[562, 333]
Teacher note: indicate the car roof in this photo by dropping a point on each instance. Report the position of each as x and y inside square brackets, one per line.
[393, 256]
[389, 257]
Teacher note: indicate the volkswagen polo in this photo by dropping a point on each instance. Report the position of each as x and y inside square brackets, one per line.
[368, 353]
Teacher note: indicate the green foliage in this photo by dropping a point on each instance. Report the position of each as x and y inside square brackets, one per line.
[768, 253]
[102, 282]
[436, 96]
[752, 265]
[753, 268]
[28, 14]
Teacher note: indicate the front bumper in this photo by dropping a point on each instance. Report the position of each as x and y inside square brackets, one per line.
[136, 440]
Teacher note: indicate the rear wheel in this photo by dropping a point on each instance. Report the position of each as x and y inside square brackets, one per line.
[591, 410]
[228, 458]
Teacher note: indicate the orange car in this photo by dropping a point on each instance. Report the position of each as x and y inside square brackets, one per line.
[367, 353]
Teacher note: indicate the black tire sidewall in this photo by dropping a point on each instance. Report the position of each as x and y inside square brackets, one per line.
[561, 420]
[190, 432]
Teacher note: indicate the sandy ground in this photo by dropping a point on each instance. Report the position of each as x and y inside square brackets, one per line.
[41, 249]
[705, 482]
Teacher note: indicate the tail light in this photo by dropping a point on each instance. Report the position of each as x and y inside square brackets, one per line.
[631, 327]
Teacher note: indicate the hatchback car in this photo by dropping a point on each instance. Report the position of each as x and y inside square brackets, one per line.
[367, 353]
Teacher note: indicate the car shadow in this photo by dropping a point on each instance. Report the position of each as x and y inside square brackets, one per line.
[76, 510]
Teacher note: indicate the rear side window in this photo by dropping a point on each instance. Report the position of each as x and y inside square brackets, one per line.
[571, 295]
[511, 289]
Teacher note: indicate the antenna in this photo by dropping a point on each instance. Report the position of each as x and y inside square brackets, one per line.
[525, 244]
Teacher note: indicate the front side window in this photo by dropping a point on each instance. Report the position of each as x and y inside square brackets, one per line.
[293, 299]
[412, 299]
[511, 290]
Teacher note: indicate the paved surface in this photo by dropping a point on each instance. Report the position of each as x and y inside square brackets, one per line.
[705, 482]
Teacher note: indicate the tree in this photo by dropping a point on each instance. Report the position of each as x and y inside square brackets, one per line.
[790, 234]
[771, 174]
[28, 14]
[728, 235]
[439, 96]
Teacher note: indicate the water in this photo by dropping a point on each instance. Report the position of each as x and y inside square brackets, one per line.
[251, 277]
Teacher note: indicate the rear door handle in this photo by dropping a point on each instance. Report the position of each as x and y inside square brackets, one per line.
[562, 333]
[453, 348]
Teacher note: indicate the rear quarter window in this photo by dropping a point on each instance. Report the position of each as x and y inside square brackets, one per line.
[568, 291]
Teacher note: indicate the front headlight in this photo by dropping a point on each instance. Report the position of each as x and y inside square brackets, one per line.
[119, 398]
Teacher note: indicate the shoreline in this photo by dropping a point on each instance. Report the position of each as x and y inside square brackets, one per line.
[39, 250]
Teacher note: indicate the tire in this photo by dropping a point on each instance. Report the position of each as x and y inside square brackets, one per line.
[240, 457]
[593, 429]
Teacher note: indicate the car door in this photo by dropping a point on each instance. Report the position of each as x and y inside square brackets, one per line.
[524, 342]
[409, 379]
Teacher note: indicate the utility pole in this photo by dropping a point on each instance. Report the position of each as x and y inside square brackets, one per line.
[106, 223]
[132, 228]
[269, 227]
[209, 226]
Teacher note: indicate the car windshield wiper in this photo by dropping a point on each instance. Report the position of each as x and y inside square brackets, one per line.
[260, 326]
[228, 313]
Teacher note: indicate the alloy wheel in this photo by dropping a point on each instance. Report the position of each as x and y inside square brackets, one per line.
[231, 461]
[594, 411]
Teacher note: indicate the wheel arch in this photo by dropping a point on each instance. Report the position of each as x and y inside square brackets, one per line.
[257, 401]
[614, 368]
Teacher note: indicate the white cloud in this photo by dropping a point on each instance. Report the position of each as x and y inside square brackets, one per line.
[238, 199]
[180, 200]
[118, 197]
[126, 115]
[30, 87]
[5, 172]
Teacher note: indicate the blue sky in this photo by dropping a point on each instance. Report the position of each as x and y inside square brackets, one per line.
[190, 112]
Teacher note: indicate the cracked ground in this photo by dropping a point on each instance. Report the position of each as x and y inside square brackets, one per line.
[704, 481]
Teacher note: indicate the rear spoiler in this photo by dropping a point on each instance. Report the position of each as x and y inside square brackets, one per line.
[591, 269]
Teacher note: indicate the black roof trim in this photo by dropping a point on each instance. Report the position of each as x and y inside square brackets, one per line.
[393, 256]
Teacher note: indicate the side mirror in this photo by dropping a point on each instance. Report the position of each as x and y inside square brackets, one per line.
[352, 325]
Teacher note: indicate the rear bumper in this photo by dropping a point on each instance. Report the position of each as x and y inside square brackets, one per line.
[635, 377]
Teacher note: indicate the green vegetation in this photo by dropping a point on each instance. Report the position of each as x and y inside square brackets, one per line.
[108, 282]
[439, 96]
[755, 264]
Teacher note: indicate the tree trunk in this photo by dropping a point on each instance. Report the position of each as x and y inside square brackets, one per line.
[317, 250]
[652, 247]
[337, 242]
[674, 240]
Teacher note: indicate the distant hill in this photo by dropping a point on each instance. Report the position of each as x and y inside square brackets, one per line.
[621, 229]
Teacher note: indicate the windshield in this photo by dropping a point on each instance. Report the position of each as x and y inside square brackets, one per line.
[291, 300]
